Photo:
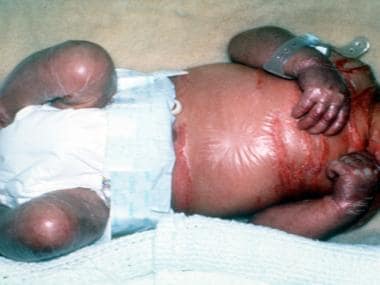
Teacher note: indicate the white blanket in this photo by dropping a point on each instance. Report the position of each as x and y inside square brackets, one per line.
[200, 250]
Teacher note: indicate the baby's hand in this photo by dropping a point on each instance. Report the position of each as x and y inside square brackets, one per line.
[355, 177]
[325, 103]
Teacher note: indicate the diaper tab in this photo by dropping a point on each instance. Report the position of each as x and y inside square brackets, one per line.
[129, 79]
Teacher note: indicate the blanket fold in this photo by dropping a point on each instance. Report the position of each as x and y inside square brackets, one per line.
[202, 250]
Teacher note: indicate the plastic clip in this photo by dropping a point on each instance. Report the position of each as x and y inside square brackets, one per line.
[354, 49]
[275, 64]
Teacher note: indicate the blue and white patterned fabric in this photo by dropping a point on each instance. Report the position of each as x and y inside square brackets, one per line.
[140, 154]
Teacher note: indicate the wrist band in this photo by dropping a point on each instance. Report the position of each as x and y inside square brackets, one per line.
[274, 65]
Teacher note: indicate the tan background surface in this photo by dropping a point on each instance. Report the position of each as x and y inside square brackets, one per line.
[150, 34]
[153, 34]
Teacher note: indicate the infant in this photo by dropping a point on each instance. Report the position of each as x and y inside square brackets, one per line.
[227, 140]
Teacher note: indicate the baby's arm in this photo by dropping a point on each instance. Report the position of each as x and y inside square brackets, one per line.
[73, 74]
[52, 225]
[355, 178]
[325, 104]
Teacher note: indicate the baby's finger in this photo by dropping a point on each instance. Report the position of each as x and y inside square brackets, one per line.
[339, 122]
[353, 160]
[313, 116]
[303, 106]
[336, 168]
[325, 121]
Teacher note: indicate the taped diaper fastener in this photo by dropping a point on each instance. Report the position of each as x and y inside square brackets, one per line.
[177, 108]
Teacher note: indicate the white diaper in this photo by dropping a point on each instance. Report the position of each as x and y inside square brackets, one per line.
[47, 149]
[124, 152]
[140, 154]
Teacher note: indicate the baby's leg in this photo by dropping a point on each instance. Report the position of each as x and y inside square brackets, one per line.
[52, 225]
[355, 178]
[73, 74]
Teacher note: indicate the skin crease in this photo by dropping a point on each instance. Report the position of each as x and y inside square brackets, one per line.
[280, 149]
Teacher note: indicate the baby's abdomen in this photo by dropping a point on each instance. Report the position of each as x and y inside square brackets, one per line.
[238, 149]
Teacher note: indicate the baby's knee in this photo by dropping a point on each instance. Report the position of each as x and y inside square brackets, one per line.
[86, 73]
[46, 228]
[41, 231]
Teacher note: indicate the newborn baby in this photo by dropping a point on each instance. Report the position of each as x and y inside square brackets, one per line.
[298, 155]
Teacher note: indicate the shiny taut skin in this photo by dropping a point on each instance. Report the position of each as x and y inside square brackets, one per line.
[258, 157]
[290, 154]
